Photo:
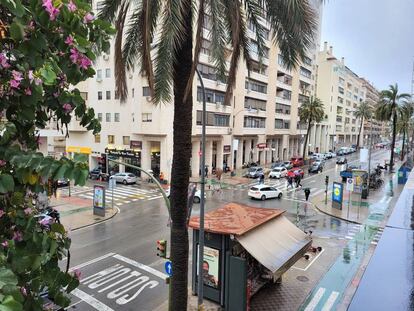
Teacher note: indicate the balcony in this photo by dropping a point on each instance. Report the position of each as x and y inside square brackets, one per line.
[74, 126]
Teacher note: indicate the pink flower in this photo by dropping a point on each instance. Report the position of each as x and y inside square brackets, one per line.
[69, 40]
[74, 55]
[5, 243]
[67, 107]
[14, 84]
[30, 75]
[18, 76]
[85, 62]
[3, 61]
[77, 274]
[46, 221]
[53, 12]
[28, 91]
[1, 213]
[31, 26]
[88, 18]
[23, 291]
[2, 163]
[17, 236]
[71, 6]
[27, 211]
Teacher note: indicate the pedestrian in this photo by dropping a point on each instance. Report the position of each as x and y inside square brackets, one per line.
[262, 179]
[298, 178]
[307, 193]
[206, 171]
[290, 182]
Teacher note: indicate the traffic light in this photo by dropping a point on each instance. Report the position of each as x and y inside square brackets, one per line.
[326, 180]
[162, 248]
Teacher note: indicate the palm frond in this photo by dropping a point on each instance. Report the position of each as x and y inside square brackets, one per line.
[170, 39]
[294, 24]
[120, 69]
[219, 37]
[198, 45]
[253, 10]
[109, 10]
[312, 110]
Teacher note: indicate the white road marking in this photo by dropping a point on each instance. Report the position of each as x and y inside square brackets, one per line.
[91, 261]
[349, 237]
[315, 300]
[374, 243]
[93, 302]
[330, 302]
[389, 200]
[154, 198]
[141, 266]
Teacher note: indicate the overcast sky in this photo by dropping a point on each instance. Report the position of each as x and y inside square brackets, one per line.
[376, 37]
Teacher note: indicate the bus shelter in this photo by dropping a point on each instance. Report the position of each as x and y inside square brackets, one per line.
[245, 247]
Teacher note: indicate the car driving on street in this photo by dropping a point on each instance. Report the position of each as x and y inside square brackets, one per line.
[197, 195]
[278, 172]
[316, 167]
[255, 172]
[341, 160]
[125, 178]
[263, 192]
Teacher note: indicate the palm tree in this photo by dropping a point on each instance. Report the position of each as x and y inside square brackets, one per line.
[406, 112]
[389, 109]
[158, 35]
[311, 111]
[364, 111]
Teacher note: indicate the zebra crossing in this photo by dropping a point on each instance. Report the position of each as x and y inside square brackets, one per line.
[74, 190]
[121, 194]
[323, 300]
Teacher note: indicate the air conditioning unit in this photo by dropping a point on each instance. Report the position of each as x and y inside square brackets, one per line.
[229, 130]
[105, 56]
[130, 76]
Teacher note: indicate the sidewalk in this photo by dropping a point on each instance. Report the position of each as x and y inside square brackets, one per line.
[76, 213]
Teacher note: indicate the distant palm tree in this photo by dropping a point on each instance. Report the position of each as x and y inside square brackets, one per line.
[311, 111]
[388, 109]
[160, 36]
[363, 112]
[403, 123]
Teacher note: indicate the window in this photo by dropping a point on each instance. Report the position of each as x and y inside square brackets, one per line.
[283, 109]
[254, 49]
[146, 91]
[108, 117]
[284, 78]
[147, 117]
[206, 47]
[209, 72]
[133, 92]
[280, 60]
[302, 98]
[254, 122]
[252, 103]
[108, 94]
[100, 116]
[282, 93]
[212, 96]
[341, 81]
[213, 119]
[126, 140]
[99, 95]
[340, 100]
[111, 139]
[338, 119]
[305, 72]
[97, 138]
[107, 72]
[257, 86]
[348, 94]
[307, 61]
[116, 117]
[355, 97]
[341, 90]
[99, 74]
[282, 124]
[116, 95]
[258, 68]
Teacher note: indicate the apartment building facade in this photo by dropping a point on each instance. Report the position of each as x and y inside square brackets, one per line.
[341, 91]
[260, 124]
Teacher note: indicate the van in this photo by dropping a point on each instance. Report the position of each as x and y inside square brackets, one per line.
[297, 161]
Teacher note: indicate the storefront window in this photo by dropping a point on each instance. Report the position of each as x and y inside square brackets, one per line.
[97, 138]
[111, 139]
[126, 140]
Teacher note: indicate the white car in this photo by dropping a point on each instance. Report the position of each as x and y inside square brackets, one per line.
[264, 192]
[197, 195]
[278, 172]
[125, 178]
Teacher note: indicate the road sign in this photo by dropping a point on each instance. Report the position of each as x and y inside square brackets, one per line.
[350, 184]
[168, 268]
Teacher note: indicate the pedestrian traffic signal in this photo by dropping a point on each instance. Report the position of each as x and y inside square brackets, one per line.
[326, 180]
[162, 248]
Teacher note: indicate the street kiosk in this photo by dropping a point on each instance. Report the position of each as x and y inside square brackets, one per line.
[245, 247]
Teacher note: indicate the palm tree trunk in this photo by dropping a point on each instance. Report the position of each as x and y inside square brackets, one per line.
[359, 133]
[180, 173]
[306, 140]
[394, 133]
[403, 146]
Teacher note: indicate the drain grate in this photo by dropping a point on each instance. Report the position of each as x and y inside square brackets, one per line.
[302, 278]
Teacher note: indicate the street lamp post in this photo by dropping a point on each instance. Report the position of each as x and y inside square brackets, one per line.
[369, 155]
[201, 231]
[249, 109]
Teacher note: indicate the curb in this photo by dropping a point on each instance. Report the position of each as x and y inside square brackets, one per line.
[99, 221]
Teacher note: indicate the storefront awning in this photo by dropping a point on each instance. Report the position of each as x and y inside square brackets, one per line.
[276, 244]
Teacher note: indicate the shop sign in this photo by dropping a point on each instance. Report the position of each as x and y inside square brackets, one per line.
[75, 149]
[337, 195]
[99, 200]
[135, 144]
[262, 146]
[226, 148]
[210, 266]
[123, 153]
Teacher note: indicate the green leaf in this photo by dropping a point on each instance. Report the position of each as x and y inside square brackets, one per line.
[49, 76]
[60, 172]
[58, 228]
[15, 7]
[7, 277]
[16, 31]
[6, 183]
[10, 304]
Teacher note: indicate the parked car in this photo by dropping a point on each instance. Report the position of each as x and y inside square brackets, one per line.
[264, 192]
[316, 167]
[288, 165]
[352, 149]
[63, 182]
[255, 172]
[332, 154]
[295, 172]
[341, 160]
[95, 173]
[278, 172]
[125, 178]
[328, 155]
[277, 164]
[297, 161]
[197, 195]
